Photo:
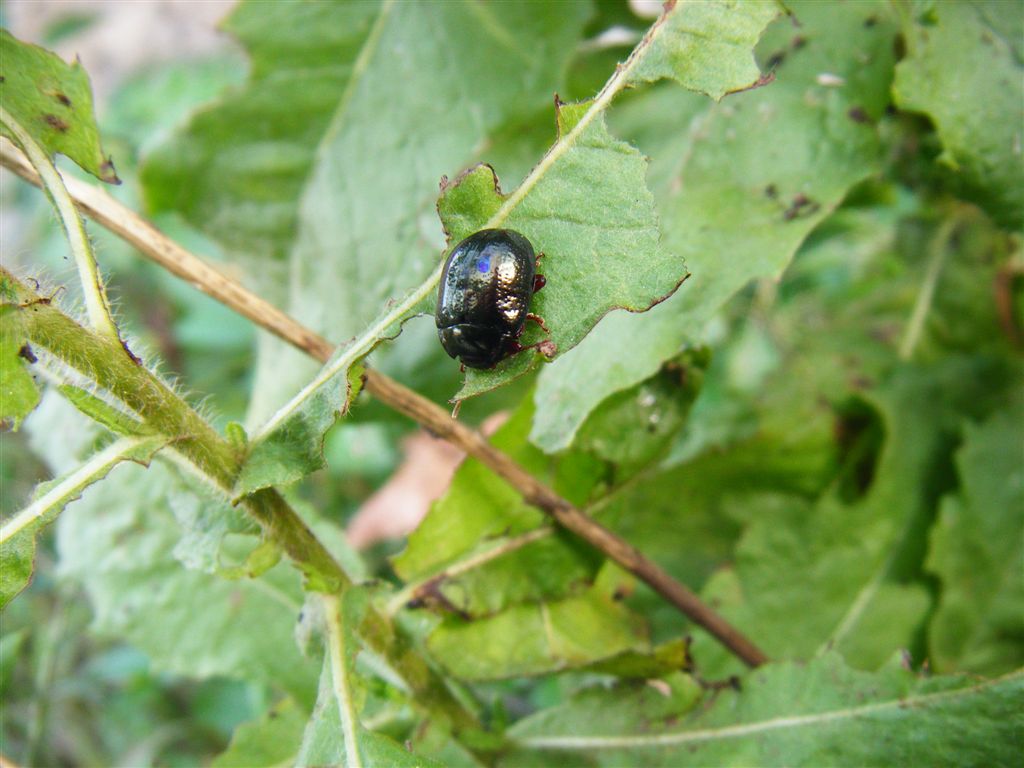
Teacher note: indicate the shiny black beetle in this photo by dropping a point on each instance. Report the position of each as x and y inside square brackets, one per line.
[484, 298]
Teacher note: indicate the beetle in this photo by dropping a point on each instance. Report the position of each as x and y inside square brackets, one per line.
[483, 300]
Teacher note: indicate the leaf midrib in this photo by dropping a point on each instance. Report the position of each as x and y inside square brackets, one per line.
[762, 726]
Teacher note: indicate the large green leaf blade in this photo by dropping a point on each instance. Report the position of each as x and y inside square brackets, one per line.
[237, 170]
[52, 100]
[741, 184]
[122, 542]
[354, 210]
[843, 562]
[965, 70]
[539, 638]
[822, 713]
[18, 535]
[977, 547]
[707, 47]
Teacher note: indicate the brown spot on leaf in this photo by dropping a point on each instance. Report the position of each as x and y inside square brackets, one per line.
[56, 123]
[858, 115]
[798, 42]
[62, 98]
[801, 206]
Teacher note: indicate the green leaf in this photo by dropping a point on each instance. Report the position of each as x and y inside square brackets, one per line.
[334, 734]
[589, 199]
[539, 638]
[784, 714]
[740, 185]
[586, 205]
[237, 170]
[291, 445]
[976, 550]
[52, 100]
[339, 88]
[634, 428]
[964, 69]
[583, 294]
[272, 740]
[120, 542]
[659, 662]
[853, 568]
[18, 534]
[103, 413]
[707, 46]
[455, 555]
[481, 549]
[19, 394]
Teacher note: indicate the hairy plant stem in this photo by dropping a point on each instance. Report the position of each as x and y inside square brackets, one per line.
[103, 361]
[96, 303]
[158, 247]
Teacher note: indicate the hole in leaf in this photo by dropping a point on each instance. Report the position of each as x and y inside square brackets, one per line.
[859, 435]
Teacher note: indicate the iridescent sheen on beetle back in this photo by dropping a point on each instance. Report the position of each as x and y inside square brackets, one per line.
[484, 296]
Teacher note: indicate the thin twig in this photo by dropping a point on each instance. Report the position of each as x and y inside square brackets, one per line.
[152, 243]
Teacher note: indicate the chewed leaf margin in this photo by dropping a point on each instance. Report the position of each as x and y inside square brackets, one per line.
[589, 288]
[52, 100]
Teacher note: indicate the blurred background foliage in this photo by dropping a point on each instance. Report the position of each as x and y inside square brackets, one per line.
[825, 441]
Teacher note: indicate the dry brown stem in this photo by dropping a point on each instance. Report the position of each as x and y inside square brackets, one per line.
[101, 207]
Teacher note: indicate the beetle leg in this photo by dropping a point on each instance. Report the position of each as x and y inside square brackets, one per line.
[539, 281]
[462, 367]
[538, 320]
[544, 346]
